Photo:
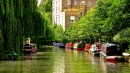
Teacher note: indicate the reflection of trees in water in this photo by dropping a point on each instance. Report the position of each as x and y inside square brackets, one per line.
[114, 67]
[64, 61]
[97, 64]
[117, 67]
[79, 62]
[59, 61]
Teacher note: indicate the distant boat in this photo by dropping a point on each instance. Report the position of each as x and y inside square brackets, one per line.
[57, 44]
[62, 45]
[87, 47]
[69, 45]
[111, 52]
[78, 47]
[75, 46]
[30, 48]
[95, 50]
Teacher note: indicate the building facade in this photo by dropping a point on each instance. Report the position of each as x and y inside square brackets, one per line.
[66, 12]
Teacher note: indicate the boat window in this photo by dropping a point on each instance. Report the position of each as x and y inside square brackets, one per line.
[80, 46]
[110, 53]
[119, 52]
[27, 47]
[112, 48]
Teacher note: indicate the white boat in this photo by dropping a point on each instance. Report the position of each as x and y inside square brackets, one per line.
[75, 46]
[95, 50]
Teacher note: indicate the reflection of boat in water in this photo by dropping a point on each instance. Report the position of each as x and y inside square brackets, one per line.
[111, 52]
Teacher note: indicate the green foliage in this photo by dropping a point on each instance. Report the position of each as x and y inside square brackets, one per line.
[46, 13]
[107, 19]
[123, 36]
[20, 19]
[47, 6]
[59, 33]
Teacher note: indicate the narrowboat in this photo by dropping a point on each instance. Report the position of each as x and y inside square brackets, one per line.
[56, 44]
[75, 46]
[87, 48]
[69, 45]
[62, 45]
[111, 52]
[29, 48]
[80, 47]
[95, 50]
[66, 45]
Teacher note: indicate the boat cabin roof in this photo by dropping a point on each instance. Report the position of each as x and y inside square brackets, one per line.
[112, 49]
[109, 44]
[30, 45]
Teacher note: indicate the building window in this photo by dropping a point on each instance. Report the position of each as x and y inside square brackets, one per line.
[56, 3]
[83, 2]
[56, 20]
[89, 3]
[62, 19]
[81, 13]
[75, 2]
[68, 2]
[56, 10]
[68, 9]
[72, 19]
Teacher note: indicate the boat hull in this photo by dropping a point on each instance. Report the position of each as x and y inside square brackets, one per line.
[114, 58]
[69, 45]
[80, 49]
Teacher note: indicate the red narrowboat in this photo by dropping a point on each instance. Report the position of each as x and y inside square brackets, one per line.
[69, 45]
[80, 47]
[87, 47]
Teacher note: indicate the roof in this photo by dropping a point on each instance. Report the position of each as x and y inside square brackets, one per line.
[109, 44]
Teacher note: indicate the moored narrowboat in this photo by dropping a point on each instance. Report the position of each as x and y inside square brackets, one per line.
[95, 49]
[111, 52]
[56, 44]
[75, 46]
[29, 48]
[69, 45]
[87, 48]
[62, 45]
[80, 47]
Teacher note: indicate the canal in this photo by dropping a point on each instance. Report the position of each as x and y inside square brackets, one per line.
[57, 60]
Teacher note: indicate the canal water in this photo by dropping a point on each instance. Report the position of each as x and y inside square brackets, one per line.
[57, 60]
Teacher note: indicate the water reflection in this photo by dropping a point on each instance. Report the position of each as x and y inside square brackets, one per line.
[59, 61]
[62, 61]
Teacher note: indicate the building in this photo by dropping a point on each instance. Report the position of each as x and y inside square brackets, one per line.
[66, 12]
[40, 2]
